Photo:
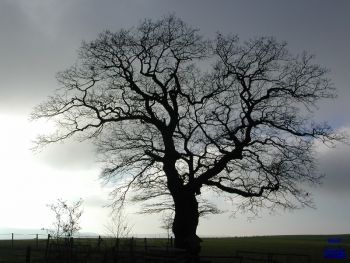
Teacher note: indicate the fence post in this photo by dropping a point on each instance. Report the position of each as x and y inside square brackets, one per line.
[37, 240]
[171, 242]
[269, 258]
[132, 244]
[145, 244]
[47, 246]
[116, 251]
[117, 243]
[132, 249]
[28, 254]
[99, 242]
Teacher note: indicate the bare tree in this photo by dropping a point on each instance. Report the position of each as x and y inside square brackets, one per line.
[167, 222]
[119, 225]
[66, 218]
[173, 114]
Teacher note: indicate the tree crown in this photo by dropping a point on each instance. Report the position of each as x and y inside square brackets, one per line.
[170, 110]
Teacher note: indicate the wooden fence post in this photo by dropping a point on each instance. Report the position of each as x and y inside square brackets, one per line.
[28, 254]
[47, 246]
[37, 240]
[145, 244]
[117, 243]
[99, 242]
[132, 250]
[115, 252]
[132, 244]
[12, 240]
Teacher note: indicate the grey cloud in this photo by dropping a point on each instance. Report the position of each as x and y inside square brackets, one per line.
[68, 156]
[27, 60]
[335, 163]
[95, 201]
[39, 38]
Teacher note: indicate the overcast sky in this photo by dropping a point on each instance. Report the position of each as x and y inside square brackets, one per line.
[38, 38]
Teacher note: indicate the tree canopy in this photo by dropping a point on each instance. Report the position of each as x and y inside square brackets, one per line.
[173, 113]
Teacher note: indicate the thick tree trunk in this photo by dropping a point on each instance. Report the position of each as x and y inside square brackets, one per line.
[186, 222]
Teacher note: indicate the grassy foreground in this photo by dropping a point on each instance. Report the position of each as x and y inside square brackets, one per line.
[312, 245]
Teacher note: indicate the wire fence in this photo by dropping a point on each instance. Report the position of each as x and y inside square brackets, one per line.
[40, 248]
[7, 236]
[80, 249]
[37, 240]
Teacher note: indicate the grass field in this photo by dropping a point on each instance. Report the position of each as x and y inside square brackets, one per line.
[308, 245]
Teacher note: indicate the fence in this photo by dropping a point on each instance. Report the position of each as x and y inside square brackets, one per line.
[82, 249]
[13, 239]
[113, 250]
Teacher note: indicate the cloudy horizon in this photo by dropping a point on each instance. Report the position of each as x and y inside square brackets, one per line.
[39, 39]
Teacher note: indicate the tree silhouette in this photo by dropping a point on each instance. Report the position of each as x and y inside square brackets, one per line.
[173, 114]
[119, 225]
[67, 218]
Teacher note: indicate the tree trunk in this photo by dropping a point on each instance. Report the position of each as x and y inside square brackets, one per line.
[186, 222]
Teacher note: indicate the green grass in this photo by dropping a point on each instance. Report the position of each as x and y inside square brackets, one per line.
[312, 245]
[304, 244]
